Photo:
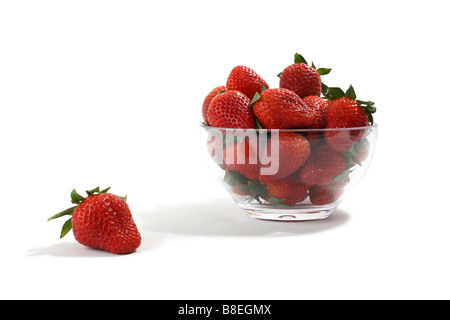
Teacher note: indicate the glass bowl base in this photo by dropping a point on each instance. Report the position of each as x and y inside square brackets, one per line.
[287, 214]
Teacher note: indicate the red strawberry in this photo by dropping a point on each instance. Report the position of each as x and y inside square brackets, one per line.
[282, 109]
[231, 109]
[321, 195]
[245, 80]
[318, 107]
[288, 189]
[323, 166]
[208, 100]
[302, 79]
[345, 113]
[242, 157]
[293, 151]
[103, 221]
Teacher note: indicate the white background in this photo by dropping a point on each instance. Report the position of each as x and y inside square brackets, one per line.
[109, 93]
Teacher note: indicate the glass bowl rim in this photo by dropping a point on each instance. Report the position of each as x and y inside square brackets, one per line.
[374, 125]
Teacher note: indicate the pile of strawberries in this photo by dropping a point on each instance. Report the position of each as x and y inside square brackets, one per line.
[314, 163]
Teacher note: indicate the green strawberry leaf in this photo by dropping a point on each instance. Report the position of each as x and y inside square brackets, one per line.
[276, 201]
[352, 155]
[356, 160]
[279, 75]
[67, 226]
[105, 190]
[245, 189]
[350, 93]
[93, 191]
[256, 97]
[369, 117]
[258, 124]
[335, 93]
[263, 87]
[343, 175]
[324, 89]
[348, 160]
[76, 197]
[298, 58]
[324, 71]
[370, 109]
[365, 103]
[257, 190]
[63, 213]
[234, 178]
[313, 66]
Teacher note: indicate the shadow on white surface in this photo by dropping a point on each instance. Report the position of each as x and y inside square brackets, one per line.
[67, 249]
[222, 217]
[219, 217]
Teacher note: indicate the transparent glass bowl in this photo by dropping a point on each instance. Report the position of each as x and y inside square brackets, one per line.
[288, 174]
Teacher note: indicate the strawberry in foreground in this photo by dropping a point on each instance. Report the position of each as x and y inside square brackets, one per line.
[101, 220]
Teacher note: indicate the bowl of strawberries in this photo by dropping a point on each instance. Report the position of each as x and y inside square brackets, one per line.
[290, 153]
